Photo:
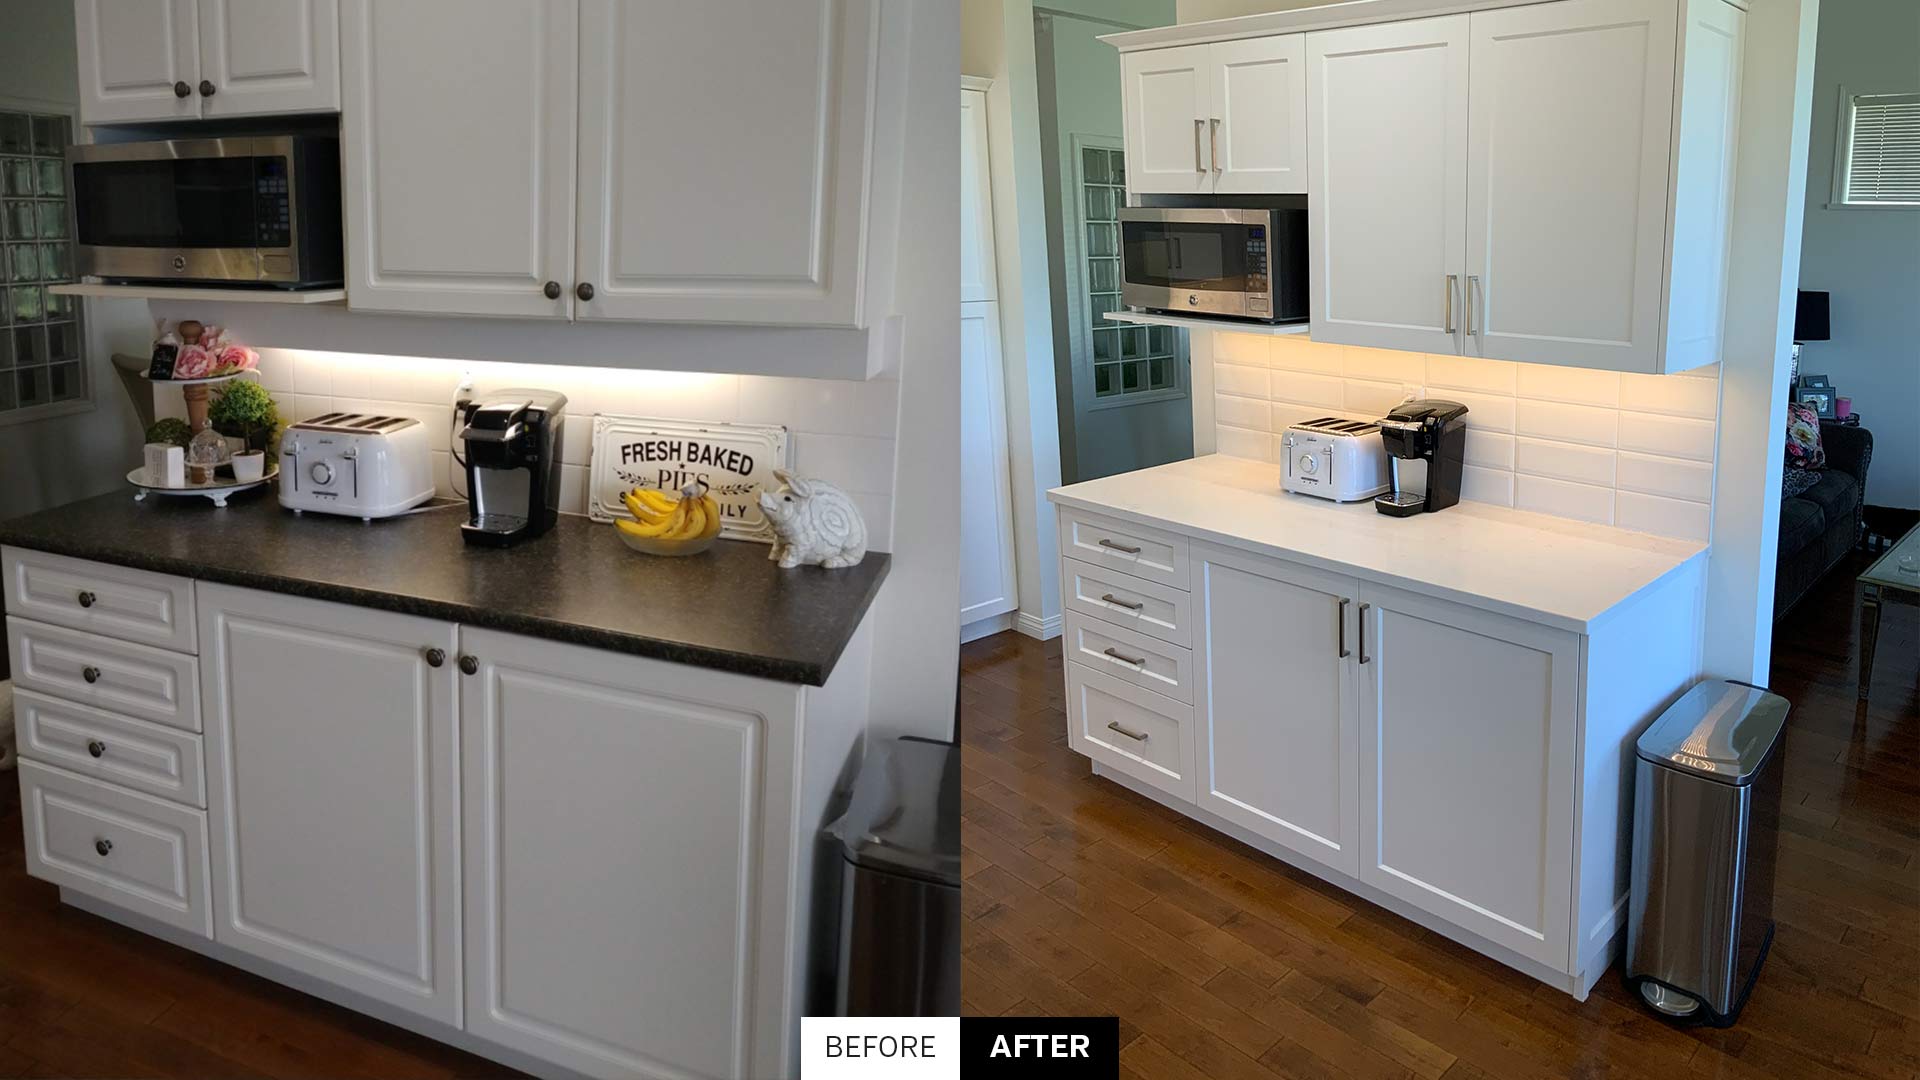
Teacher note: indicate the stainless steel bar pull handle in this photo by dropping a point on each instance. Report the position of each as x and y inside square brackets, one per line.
[1340, 622]
[1109, 598]
[1213, 143]
[1198, 165]
[1136, 736]
[1136, 661]
[1106, 543]
[1453, 283]
[1473, 281]
[1363, 633]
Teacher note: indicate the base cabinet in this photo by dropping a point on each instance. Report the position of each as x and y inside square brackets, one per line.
[333, 791]
[626, 875]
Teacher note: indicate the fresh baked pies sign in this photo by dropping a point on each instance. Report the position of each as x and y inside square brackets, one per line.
[735, 461]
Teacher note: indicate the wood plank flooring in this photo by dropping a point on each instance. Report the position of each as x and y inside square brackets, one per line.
[1083, 898]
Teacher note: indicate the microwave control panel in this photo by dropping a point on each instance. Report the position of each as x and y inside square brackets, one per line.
[1259, 294]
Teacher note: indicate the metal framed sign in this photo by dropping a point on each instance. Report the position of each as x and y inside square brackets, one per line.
[735, 460]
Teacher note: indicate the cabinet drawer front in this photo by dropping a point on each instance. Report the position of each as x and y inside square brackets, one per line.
[132, 753]
[131, 850]
[1131, 549]
[1135, 731]
[1150, 609]
[134, 680]
[1135, 658]
[132, 605]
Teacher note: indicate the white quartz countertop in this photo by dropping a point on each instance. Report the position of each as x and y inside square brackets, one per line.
[1546, 569]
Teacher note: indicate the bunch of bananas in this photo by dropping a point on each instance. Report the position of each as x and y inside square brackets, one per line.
[687, 514]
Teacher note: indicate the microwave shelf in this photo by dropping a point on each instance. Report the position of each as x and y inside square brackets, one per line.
[159, 291]
[1201, 322]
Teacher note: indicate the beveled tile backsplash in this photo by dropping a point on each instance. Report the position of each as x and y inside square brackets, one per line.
[1629, 450]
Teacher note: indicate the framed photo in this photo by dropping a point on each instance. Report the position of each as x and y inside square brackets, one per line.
[1820, 399]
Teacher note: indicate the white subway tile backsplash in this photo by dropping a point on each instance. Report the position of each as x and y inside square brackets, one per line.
[1633, 450]
[836, 405]
[856, 463]
[1563, 498]
[1562, 422]
[312, 374]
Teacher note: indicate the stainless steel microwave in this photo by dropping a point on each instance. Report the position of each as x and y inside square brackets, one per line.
[1248, 264]
[261, 211]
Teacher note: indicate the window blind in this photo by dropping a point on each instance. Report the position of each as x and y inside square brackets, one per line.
[1883, 150]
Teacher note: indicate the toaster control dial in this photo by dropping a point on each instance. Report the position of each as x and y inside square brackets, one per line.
[321, 472]
[1308, 464]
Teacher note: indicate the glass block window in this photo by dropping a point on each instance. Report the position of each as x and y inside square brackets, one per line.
[1127, 359]
[40, 333]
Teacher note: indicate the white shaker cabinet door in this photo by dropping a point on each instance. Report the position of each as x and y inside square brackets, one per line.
[1257, 129]
[1387, 153]
[138, 60]
[459, 175]
[627, 830]
[977, 269]
[1467, 729]
[987, 583]
[1567, 181]
[269, 56]
[1165, 94]
[724, 160]
[332, 793]
[1275, 702]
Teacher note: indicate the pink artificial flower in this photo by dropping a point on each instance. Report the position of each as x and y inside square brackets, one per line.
[235, 358]
[194, 362]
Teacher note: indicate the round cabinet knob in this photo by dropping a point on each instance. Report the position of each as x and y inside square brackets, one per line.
[436, 657]
[96, 747]
[1193, 299]
[552, 290]
[91, 674]
[103, 845]
[584, 290]
[321, 472]
[181, 89]
[1309, 464]
[206, 88]
[86, 599]
[469, 665]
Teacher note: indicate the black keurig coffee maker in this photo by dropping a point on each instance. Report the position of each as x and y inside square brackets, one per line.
[512, 443]
[1433, 431]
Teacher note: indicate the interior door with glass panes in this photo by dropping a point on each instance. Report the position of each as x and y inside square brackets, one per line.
[40, 333]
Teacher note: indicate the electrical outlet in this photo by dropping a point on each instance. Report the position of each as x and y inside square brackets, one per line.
[463, 393]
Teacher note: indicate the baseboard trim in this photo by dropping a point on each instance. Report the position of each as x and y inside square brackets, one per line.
[992, 624]
[1040, 629]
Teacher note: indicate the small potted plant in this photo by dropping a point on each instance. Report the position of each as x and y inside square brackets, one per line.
[244, 410]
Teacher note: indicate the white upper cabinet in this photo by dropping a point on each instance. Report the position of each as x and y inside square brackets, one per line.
[1386, 209]
[269, 56]
[138, 59]
[459, 177]
[724, 153]
[145, 60]
[1257, 130]
[1567, 181]
[1225, 117]
[977, 272]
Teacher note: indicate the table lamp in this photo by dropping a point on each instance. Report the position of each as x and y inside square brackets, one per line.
[1809, 324]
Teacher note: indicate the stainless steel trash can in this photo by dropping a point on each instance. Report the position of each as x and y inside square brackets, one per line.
[899, 851]
[1706, 822]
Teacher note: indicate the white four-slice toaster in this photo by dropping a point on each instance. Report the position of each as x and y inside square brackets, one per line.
[1342, 460]
[356, 464]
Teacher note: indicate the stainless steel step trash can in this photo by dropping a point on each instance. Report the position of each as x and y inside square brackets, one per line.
[1706, 823]
[899, 852]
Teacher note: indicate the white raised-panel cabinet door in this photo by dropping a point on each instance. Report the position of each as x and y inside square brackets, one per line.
[1257, 129]
[333, 793]
[459, 175]
[976, 201]
[627, 830]
[1467, 728]
[724, 160]
[986, 497]
[1567, 181]
[1165, 105]
[1387, 161]
[1275, 703]
[270, 56]
[1704, 148]
[135, 56]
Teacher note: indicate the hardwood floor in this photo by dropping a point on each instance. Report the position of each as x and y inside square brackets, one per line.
[1083, 898]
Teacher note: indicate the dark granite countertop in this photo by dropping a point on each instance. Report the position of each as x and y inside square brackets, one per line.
[729, 608]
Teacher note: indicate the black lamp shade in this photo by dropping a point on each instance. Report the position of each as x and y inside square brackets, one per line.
[1810, 317]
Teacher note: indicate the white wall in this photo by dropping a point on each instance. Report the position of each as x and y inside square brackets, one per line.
[58, 459]
[1868, 259]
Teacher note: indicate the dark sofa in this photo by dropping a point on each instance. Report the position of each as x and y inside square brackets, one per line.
[1819, 527]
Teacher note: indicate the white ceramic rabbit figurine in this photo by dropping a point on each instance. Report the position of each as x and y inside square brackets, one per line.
[814, 524]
